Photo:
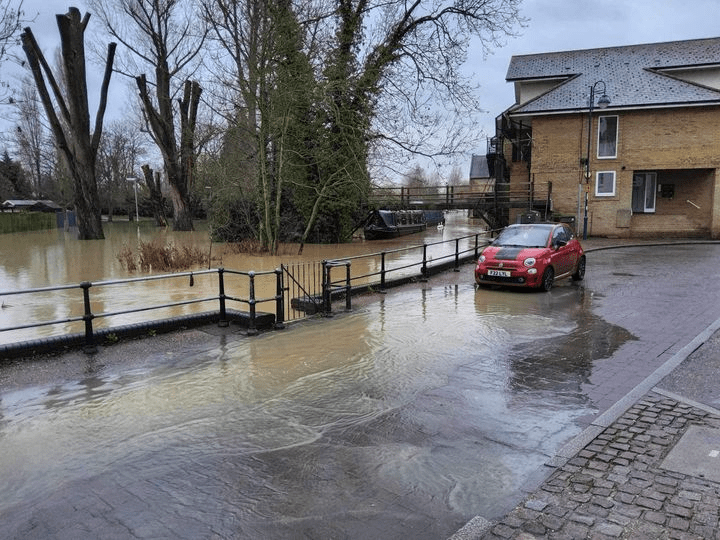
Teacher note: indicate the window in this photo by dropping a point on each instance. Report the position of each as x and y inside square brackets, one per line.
[561, 234]
[605, 184]
[643, 192]
[607, 137]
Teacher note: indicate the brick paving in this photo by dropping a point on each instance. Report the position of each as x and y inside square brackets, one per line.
[615, 487]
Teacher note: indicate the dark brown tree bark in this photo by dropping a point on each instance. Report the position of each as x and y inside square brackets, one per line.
[152, 181]
[71, 127]
[179, 159]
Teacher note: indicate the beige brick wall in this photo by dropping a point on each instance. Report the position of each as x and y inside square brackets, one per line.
[681, 145]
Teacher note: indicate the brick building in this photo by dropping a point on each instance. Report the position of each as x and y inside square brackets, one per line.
[654, 137]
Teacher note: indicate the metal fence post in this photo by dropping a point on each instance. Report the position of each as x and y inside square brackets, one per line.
[252, 330]
[348, 296]
[327, 300]
[223, 322]
[457, 255]
[90, 347]
[382, 271]
[424, 270]
[279, 300]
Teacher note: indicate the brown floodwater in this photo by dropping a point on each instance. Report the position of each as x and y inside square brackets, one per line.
[54, 258]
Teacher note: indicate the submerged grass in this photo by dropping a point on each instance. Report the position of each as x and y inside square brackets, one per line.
[153, 256]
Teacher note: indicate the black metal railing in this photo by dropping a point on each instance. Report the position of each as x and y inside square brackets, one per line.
[90, 291]
[398, 273]
[290, 292]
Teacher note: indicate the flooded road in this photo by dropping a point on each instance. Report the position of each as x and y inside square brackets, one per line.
[402, 419]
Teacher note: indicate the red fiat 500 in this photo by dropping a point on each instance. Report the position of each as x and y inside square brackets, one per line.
[532, 255]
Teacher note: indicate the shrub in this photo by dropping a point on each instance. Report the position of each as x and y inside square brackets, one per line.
[153, 256]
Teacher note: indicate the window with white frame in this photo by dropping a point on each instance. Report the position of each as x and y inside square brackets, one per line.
[607, 137]
[605, 184]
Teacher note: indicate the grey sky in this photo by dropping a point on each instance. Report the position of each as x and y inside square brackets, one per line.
[553, 25]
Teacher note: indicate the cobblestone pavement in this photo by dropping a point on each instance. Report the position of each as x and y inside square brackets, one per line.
[648, 468]
[617, 486]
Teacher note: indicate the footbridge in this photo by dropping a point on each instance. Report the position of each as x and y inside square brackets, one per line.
[488, 201]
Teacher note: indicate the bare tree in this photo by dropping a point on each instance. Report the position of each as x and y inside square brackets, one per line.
[456, 177]
[33, 139]
[165, 36]
[71, 128]
[119, 153]
[244, 34]
[11, 20]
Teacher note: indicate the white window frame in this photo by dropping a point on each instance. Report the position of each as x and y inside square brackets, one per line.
[598, 193]
[617, 135]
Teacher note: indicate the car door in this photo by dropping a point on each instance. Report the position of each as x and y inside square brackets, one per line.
[562, 252]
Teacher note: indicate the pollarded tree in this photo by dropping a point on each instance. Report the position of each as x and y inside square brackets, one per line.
[70, 124]
[165, 36]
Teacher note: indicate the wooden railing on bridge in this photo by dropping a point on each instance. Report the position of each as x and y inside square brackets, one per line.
[525, 195]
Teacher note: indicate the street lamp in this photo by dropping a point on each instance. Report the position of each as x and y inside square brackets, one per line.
[137, 213]
[603, 102]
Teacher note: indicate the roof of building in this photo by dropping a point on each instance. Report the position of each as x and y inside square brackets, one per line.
[635, 76]
[479, 167]
[31, 204]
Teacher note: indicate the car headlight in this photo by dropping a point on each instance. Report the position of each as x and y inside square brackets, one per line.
[481, 259]
[530, 261]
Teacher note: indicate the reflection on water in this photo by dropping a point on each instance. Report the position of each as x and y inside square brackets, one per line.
[433, 402]
[45, 258]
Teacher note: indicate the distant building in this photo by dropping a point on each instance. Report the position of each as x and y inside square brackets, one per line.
[28, 205]
[653, 135]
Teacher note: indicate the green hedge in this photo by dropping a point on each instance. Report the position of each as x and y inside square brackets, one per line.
[26, 221]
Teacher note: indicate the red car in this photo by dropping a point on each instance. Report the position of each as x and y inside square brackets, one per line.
[531, 255]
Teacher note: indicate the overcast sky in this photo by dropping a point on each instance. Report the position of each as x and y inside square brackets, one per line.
[553, 25]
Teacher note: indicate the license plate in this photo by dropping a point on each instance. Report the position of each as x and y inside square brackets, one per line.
[499, 273]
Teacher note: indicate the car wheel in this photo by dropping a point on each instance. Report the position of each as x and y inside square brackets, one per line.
[580, 271]
[547, 279]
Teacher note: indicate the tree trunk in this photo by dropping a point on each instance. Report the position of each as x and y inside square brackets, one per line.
[156, 198]
[179, 161]
[72, 130]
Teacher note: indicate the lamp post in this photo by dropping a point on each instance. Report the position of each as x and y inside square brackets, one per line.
[603, 102]
[137, 213]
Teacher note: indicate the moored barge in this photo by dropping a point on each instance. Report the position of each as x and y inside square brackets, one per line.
[382, 224]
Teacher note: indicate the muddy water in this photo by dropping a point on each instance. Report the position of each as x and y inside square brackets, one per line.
[409, 416]
[50, 258]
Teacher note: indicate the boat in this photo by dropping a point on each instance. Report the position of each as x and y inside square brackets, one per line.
[434, 217]
[382, 224]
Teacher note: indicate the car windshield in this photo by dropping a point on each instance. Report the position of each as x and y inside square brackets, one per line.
[523, 236]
